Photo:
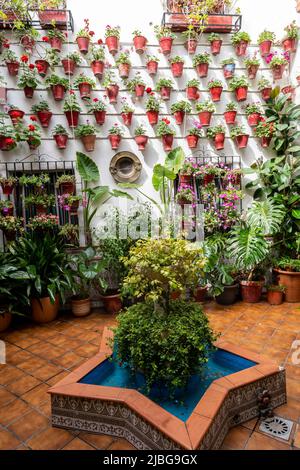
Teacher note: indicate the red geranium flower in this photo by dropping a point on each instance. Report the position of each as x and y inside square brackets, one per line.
[9, 141]
[31, 66]
[100, 41]
[24, 58]
[91, 33]
[72, 92]
[166, 120]
[95, 100]
[39, 67]
[148, 90]
[33, 118]
[6, 45]
[45, 39]
[31, 128]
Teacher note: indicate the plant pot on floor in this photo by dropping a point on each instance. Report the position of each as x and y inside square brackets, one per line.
[229, 295]
[80, 307]
[275, 297]
[200, 294]
[43, 311]
[112, 303]
[5, 321]
[251, 291]
[291, 281]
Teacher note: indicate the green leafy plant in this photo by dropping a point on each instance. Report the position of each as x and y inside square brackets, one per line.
[214, 84]
[152, 58]
[116, 129]
[236, 131]
[136, 81]
[182, 105]
[109, 79]
[164, 82]
[238, 82]
[153, 104]
[45, 200]
[56, 33]
[41, 106]
[240, 36]
[275, 288]
[191, 33]
[206, 106]
[193, 83]
[112, 31]
[53, 80]
[9, 56]
[230, 60]
[214, 37]
[176, 59]
[204, 58]
[12, 282]
[267, 216]
[264, 83]
[195, 131]
[123, 58]
[84, 79]
[264, 129]
[126, 108]
[75, 56]
[97, 53]
[71, 104]
[140, 130]
[292, 31]
[252, 108]
[28, 78]
[37, 181]
[163, 32]
[65, 178]
[231, 106]
[289, 264]
[213, 131]
[164, 129]
[266, 36]
[252, 61]
[85, 129]
[60, 130]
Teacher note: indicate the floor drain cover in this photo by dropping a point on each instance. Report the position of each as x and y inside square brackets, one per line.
[277, 427]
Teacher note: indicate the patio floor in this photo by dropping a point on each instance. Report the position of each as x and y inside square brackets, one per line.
[40, 356]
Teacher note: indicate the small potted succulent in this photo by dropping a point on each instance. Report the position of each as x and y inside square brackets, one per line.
[194, 134]
[85, 85]
[137, 86]
[111, 86]
[12, 62]
[164, 86]
[97, 58]
[192, 90]
[112, 37]
[205, 111]
[8, 184]
[115, 135]
[252, 64]
[8, 138]
[265, 88]
[56, 38]
[152, 64]
[166, 133]
[177, 64]
[185, 194]
[124, 64]
[217, 134]
[139, 42]
[152, 107]
[201, 63]
[292, 35]
[6, 208]
[58, 86]
[240, 86]
[28, 80]
[230, 113]
[180, 109]
[87, 134]
[239, 135]
[66, 184]
[191, 36]
[141, 137]
[228, 66]
[254, 113]
[32, 135]
[215, 88]
[240, 40]
[61, 136]
[275, 294]
[265, 40]
[127, 113]
[278, 65]
[186, 172]
[16, 114]
[83, 38]
[70, 62]
[98, 108]
[216, 42]
[165, 36]
[264, 131]
[42, 110]
[72, 110]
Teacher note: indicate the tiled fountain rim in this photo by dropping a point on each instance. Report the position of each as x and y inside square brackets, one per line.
[187, 434]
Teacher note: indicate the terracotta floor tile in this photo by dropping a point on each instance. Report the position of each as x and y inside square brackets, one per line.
[23, 385]
[29, 424]
[292, 372]
[18, 358]
[73, 331]
[68, 360]
[89, 336]
[24, 343]
[54, 380]
[15, 409]
[98, 441]
[250, 424]
[237, 438]
[50, 439]
[121, 444]
[45, 408]
[9, 374]
[87, 350]
[296, 440]
[291, 410]
[78, 444]
[57, 340]
[5, 396]
[259, 441]
[46, 372]
[293, 388]
[8, 441]
[37, 395]
[32, 364]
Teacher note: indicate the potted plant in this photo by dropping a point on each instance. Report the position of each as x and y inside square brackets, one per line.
[166, 133]
[152, 64]
[126, 113]
[111, 86]
[265, 40]
[137, 86]
[28, 36]
[288, 275]
[85, 85]
[185, 194]
[230, 113]
[70, 61]
[164, 86]
[72, 110]
[28, 80]
[44, 223]
[191, 36]
[50, 59]
[179, 110]
[139, 42]
[124, 64]
[56, 38]
[16, 114]
[254, 113]
[240, 86]
[201, 63]
[240, 40]
[8, 137]
[215, 88]
[275, 294]
[186, 172]
[97, 61]
[177, 64]
[240, 136]
[87, 134]
[226, 281]
[252, 64]
[265, 87]
[216, 42]
[70, 234]
[69, 203]
[152, 107]
[41, 202]
[115, 135]
[11, 227]
[192, 89]
[205, 111]
[6, 208]
[37, 182]
[289, 43]
[165, 36]
[83, 38]
[228, 66]
[217, 133]
[278, 65]
[11, 61]
[8, 184]
[42, 110]
[112, 36]
[66, 184]
[32, 135]
[98, 108]
[52, 13]
[194, 135]
[61, 136]
[58, 86]
[141, 137]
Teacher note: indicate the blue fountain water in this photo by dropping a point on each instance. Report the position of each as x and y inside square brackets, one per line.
[220, 364]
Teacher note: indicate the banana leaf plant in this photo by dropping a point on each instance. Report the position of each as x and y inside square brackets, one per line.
[12, 283]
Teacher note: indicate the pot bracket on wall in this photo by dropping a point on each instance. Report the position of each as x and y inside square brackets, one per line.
[125, 167]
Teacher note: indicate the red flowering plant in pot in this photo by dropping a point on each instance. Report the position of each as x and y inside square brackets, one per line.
[137, 86]
[42, 110]
[115, 135]
[66, 183]
[87, 134]
[179, 110]
[112, 37]
[61, 136]
[50, 59]
[239, 135]
[201, 63]
[97, 60]
[192, 90]
[165, 131]
[228, 66]
[55, 38]
[230, 112]
[141, 138]
[265, 131]
[70, 61]
[291, 38]
[85, 85]
[240, 41]
[217, 135]
[191, 36]
[98, 108]
[152, 107]
[12, 62]
[58, 86]
[111, 85]
[8, 137]
[177, 64]
[139, 42]
[8, 184]
[165, 36]
[164, 86]
[239, 85]
[265, 88]
[83, 37]
[266, 39]
[194, 134]
[216, 42]
[15, 114]
[215, 88]
[28, 80]
[30, 134]
[205, 111]
[278, 64]
[126, 112]
[124, 64]
[72, 109]
[252, 65]
[254, 113]
[152, 64]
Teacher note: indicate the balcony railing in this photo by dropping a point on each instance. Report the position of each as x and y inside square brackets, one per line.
[41, 19]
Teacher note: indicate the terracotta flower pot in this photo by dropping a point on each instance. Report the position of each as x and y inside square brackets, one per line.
[141, 141]
[200, 294]
[85, 90]
[89, 142]
[202, 70]
[115, 141]
[140, 44]
[241, 93]
[139, 91]
[13, 68]
[228, 71]
[216, 93]
[5, 321]
[152, 117]
[61, 141]
[44, 118]
[205, 118]
[229, 295]
[251, 291]
[152, 67]
[112, 93]
[252, 71]
[241, 48]
[72, 118]
[265, 141]
[191, 46]
[68, 187]
[185, 179]
[112, 303]
[97, 68]
[40, 209]
[5, 144]
[167, 141]
[81, 308]
[43, 67]
[230, 117]
[177, 69]
[165, 93]
[127, 118]
[192, 93]
[112, 43]
[83, 45]
[100, 117]
[242, 141]
[219, 141]
[192, 141]
[179, 117]
[43, 311]
[49, 17]
[28, 43]
[291, 281]
[254, 119]
[278, 71]
[175, 295]
[68, 66]
[58, 92]
[215, 46]
[166, 45]
[28, 92]
[56, 44]
[7, 189]
[289, 45]
[266, 93]
[10, 235]
[275, 297]
[265, 48]
[16, 115]
[124, 70]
